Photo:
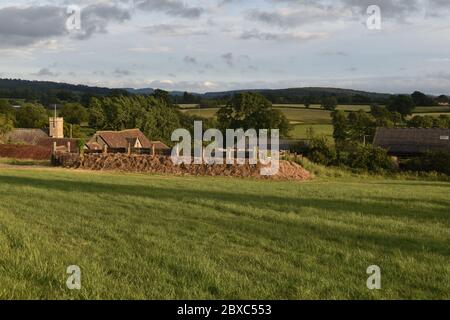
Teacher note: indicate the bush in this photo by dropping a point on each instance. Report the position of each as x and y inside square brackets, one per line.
[430, 162]
[321, 150]
[370, 158]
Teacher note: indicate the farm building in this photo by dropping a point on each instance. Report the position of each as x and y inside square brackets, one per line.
[412, 141]
[36, 143]
[131, 140]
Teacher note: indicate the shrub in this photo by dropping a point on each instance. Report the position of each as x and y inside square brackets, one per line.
[321, 150]
[431, 161]
[367, 157]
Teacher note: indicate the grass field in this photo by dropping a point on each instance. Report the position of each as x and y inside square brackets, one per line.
[300, 131]
[298, 115]
[141, 236]
[206, 112]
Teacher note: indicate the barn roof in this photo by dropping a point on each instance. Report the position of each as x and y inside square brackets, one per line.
[25, 136]
[412, 140]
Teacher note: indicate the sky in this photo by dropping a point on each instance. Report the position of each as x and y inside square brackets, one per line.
[218, 45]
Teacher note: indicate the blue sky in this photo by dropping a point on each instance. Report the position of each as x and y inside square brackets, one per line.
[214, 45]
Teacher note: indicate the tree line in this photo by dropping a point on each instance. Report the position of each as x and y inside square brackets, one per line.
[155, 115]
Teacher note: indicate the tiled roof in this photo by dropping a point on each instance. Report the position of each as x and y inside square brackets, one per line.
[120, 139]
[160, 145]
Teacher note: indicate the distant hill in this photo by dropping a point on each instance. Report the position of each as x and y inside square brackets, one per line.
[297, 95]
[43, 86]
[144, 91]
[53, 92]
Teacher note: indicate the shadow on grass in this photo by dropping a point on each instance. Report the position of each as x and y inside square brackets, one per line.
[281, 204]
[378, 206]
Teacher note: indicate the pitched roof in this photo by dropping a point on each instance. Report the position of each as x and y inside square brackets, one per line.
[160, 145]
[412, 140]
[120, 139]
[25, 136]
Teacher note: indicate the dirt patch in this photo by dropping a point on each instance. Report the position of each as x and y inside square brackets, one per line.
[163, 165]
[25, 152]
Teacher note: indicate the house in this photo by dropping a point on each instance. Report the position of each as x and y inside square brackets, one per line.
[412, 141]
[131, 140]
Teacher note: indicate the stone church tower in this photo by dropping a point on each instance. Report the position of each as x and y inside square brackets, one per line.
[56, 127]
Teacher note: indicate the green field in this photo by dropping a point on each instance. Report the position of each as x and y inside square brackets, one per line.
[438, 109]
[163, 237]
[301, 131]
[206, 113]
[296, 115]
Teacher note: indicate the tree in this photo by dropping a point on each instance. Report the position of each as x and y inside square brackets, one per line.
[252, 111]
[443, 99]
[162, 95]
[421, 99]
[361, 126]
[31, 116]
[340, 126]
[74, 113]
[307, 101]
[6, 125]
[6, 108]
[97, 118]
[329, 103]
[383, 117]
[443, 122]
[421, 122]
[402, 104]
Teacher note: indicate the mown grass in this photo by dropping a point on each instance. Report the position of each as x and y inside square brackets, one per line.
[163, 237]
[24, 162]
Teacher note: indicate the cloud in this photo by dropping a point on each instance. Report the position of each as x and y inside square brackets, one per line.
[334, 53]
[95, 19]
[26, 26]
[190, 60]
[170, 7]
[45, 72]
[305, 12]
[156, 49]
[228, 58]
[286, 36]
[300, 16]
[173, 30]
[122, 72]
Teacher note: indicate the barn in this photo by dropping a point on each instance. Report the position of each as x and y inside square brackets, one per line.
[404, 142]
